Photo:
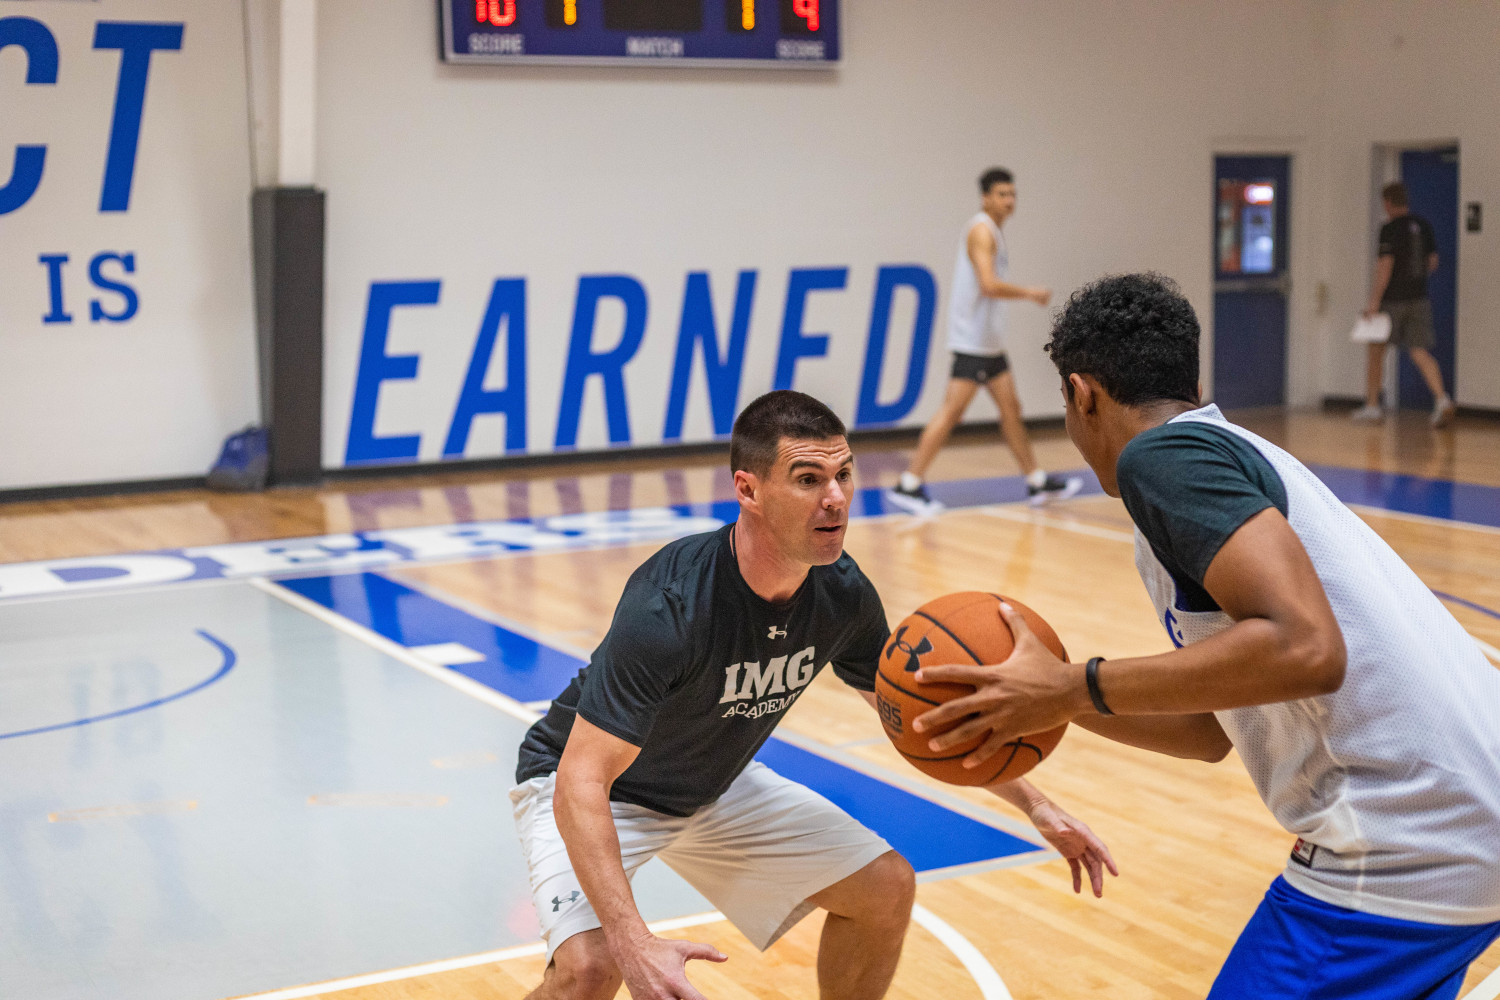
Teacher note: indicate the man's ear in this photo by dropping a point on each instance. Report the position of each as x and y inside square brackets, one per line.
[1084, 392]
[746, 488]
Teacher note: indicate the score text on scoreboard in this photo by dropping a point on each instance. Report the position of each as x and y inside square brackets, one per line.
[796, 33]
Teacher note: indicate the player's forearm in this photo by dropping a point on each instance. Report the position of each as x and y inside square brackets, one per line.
[1254, 662]
[1378, 284]
[588, 830]
[994, 288]
[1018, 792]
[1191, 737]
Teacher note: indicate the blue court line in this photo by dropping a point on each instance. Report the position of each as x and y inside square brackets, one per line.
[1468, 604]
[927, 834]
[228, 664]
[516, 666]
[1394, 491]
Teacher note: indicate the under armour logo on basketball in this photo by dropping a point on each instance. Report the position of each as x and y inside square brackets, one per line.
[776, 633]
[913, 653]
[558, 901]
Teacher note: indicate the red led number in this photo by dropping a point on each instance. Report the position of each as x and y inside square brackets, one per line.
[500, 13]
[808, 11]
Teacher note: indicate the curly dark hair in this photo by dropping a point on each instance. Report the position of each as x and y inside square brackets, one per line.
[1135, 333]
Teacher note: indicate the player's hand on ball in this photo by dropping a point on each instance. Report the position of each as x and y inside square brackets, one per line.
[1075, 841]
[1030, 692]
[654, 968]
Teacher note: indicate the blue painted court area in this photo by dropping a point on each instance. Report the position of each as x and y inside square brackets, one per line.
[931, 837]
[1440, 498]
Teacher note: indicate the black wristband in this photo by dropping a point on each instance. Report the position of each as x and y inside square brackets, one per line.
[1091, 678]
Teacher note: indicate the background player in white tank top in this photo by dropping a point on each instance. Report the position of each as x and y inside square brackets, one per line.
[976, 336]
[1366, 716]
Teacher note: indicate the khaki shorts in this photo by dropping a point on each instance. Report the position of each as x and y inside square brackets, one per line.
[1411, 323]
[757, 853]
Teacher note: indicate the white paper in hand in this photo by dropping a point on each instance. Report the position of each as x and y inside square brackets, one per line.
[1376, 330]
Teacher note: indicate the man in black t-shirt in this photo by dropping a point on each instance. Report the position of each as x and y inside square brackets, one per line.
[1407, 255]
[650, 750]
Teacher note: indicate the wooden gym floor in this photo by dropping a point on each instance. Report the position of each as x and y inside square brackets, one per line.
[1195, 846]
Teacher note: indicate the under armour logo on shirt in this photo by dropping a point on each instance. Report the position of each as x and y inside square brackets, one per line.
[913, 653]
[776, 633]
[558, 901]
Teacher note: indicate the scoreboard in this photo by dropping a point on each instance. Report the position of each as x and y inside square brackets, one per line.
[789, 33]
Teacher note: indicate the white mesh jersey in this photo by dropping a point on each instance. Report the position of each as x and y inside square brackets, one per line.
[976, 325]
[1392, 782]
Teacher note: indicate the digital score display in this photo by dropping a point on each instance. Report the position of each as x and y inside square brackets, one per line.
[790, 33]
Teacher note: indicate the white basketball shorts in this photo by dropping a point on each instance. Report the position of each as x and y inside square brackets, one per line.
[757, 853]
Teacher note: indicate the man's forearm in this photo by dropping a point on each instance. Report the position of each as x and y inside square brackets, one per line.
[1018, 792]
[1253, 662]
[588, 830]
[1381, 280]
[1191, 737]
[994, 288]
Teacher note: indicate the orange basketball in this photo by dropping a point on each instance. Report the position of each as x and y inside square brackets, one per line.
[957, 628]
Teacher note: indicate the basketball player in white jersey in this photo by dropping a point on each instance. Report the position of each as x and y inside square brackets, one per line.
[976, 336]
[1367, 717]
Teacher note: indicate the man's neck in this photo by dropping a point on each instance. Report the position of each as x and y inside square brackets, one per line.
[1135, 420]
[999, 222]
[766, 571]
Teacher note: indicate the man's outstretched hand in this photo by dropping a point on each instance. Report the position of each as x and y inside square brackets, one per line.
[655, 968]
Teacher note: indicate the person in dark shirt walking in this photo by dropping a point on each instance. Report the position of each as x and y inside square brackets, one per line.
[1407, 255]
[650, 750]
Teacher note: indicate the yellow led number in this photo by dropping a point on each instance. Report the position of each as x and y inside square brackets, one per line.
[570, 12]
[747, 14]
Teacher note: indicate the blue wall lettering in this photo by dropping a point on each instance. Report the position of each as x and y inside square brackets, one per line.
[96, 275]
[375, 367]
[795, 343]
[57, 313]
[508, 303]
[609, 365]
[870, 409]
[136, 42]
[41, 67]
[722, 373]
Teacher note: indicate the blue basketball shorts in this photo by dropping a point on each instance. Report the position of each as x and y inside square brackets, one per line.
[1300, 948]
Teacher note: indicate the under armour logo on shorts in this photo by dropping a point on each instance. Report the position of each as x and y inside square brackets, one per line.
[913, 653]
[776, 633]
[558, 901]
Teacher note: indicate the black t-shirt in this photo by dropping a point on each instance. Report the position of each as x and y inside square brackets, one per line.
[697, 669]
[1188, 486]
[1409, 240]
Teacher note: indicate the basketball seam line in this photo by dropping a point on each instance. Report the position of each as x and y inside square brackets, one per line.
[961, 644]
[898, 687]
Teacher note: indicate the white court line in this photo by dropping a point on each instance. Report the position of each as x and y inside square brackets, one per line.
[991, 986]
[396, 651]
[1488, 989]
[449, 965]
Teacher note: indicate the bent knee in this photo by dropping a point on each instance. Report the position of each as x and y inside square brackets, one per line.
[583, 967]
[894, 883]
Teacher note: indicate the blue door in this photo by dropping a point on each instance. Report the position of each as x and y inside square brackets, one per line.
[1251, 280]
[1431, 179]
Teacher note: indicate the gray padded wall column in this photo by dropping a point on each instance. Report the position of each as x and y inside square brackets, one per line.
[288, 247]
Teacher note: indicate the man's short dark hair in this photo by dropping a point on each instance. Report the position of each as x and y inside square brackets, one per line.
[993, 176]
[1135, 333]
[1394, 194]
[785, 413]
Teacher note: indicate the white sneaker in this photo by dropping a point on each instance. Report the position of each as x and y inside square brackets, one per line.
[1368, 415]
[1442, 413]
[1054, 489]
[915, 500]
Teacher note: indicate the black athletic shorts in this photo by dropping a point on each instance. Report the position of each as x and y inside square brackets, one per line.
[979, 367]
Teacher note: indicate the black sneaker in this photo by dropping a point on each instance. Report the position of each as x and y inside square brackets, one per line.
[1054, 489]
[915, 501]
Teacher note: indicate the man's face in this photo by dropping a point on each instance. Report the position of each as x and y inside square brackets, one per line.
[804, 499]
[1000, 201]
